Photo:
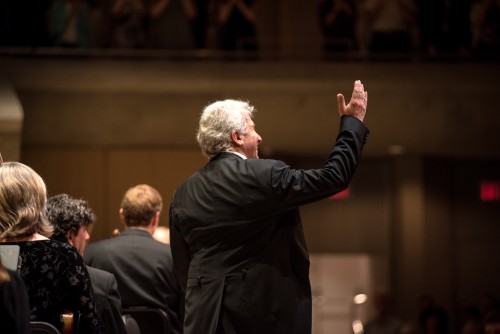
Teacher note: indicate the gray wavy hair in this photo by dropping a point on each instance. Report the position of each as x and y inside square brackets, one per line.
[218, 120]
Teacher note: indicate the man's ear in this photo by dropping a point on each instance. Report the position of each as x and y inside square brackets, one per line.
[155, 221]
[236, 138]
[69, 236]
[122, 216]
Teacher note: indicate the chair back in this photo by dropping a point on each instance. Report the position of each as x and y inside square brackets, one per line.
[40, 327]
[131, 325]
[10, 258]
[149, 319]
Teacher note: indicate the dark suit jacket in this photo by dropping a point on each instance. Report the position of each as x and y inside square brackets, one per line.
[14, 305]
[237, 241]
[108, 300]
[143, 269]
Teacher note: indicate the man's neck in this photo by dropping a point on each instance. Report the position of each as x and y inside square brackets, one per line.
[148, 229]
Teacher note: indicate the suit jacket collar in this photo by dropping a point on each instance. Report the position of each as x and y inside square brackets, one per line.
[136, 231]
[226, 155]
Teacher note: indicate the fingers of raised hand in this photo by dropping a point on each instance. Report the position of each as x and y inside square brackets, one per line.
[359, 95]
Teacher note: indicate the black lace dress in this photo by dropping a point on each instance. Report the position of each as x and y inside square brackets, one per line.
[57, 280]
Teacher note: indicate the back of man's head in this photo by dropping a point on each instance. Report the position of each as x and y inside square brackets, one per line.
[218, 120]
[140, 204]
[68, 214]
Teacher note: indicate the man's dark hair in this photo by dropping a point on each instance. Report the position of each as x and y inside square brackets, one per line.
[68, 214]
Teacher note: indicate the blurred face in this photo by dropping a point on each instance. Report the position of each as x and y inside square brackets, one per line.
[493, 328]
[250, 141]
[79, 240]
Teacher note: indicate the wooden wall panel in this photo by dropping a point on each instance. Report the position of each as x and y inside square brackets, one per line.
[75, 171]
[101, 176]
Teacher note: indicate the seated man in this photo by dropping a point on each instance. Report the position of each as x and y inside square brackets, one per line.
[70, 218]
[142, 265]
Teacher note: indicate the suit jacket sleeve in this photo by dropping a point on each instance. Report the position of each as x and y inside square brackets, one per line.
[295, 187]
[108, 301]
[182, 258]
[113, 317]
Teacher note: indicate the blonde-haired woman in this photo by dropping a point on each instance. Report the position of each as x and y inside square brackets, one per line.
[55, 276]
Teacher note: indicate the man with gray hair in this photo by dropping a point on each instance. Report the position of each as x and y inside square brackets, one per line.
[235, 230]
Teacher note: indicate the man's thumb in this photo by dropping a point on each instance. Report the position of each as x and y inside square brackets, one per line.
[341, 102]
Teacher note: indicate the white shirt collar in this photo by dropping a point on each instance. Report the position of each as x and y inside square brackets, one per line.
[238, 154]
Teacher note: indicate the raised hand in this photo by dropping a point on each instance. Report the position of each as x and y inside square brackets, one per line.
[357, 105]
